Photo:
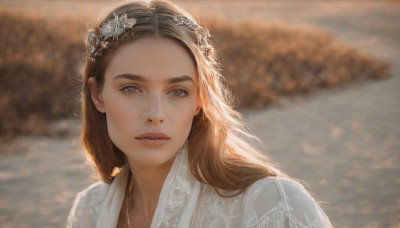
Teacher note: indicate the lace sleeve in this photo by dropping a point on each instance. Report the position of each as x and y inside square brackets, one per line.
[277, 202]
[86, 207]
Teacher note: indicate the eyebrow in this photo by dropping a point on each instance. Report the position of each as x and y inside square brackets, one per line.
[143, 79]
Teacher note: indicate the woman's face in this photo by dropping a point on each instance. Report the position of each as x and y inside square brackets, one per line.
[149, 97]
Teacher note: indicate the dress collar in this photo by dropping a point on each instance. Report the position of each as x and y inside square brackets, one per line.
[176, 203]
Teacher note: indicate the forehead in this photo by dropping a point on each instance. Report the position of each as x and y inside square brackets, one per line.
[152, 57]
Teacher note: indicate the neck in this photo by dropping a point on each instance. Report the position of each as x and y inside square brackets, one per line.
[147, 185]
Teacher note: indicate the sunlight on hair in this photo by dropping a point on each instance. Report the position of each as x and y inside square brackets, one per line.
[115, 171]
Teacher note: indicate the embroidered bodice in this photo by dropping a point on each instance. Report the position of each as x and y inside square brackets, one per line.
[185, 202]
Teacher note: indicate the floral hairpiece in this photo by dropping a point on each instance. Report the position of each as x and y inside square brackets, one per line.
[180, 20]
[202, 35]
[113, 28]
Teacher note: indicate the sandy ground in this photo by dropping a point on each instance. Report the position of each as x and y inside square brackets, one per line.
[343, 142]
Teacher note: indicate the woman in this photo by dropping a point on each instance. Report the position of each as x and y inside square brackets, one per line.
[169, 148]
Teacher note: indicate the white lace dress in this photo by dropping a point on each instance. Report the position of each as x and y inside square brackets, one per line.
[185, 202]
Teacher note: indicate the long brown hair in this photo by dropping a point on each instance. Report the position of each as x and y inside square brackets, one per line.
[219, 146]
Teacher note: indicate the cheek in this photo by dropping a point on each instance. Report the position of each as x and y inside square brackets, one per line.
[183, 116]
[119, 115]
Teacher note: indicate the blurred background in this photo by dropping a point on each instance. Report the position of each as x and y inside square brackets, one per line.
[317, 81]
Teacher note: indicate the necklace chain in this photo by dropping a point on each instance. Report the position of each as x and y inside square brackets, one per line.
[127, 200]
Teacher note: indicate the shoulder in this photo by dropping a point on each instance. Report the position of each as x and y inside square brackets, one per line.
[87, 205]
[280, 187]
[279, 200]
[93, 191]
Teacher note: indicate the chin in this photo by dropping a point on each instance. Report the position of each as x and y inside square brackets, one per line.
[153, 158]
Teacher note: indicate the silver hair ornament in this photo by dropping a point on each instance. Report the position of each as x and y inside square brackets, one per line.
[111, 28]
[202, 35]
[180, 20]
[93, 44]
[115, 27]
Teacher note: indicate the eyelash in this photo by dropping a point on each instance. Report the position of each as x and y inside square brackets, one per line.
[124, 89]
[182, 91]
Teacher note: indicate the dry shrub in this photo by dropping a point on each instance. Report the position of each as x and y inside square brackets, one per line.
[37, 71]
[39, 66]
[265, 62]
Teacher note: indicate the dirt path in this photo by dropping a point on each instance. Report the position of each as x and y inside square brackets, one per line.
[344, 143]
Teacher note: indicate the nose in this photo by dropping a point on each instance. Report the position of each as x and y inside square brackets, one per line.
[154, 113]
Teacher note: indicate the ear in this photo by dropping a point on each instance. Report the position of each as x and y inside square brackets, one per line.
[198, 108]
[95, 93]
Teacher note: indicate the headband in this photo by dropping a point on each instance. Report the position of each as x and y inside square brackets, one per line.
[114, 28]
